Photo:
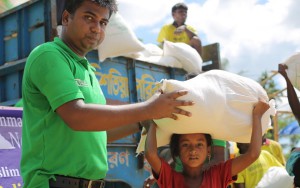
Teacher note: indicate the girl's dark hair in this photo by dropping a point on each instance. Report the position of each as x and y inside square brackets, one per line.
[296, 171]
[174, 144]
[72, 5]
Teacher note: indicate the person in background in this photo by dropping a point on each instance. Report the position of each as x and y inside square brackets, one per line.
[66, 122]
[274, 148]
[250, 176]
[291, 93]
[178, 31]
[293, 165]
[295, 154]
[193, 150]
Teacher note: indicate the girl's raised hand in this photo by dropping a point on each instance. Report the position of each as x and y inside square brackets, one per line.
[260, 108]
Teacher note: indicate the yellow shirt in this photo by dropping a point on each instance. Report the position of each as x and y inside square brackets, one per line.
[275, 149]
[253, 173]
[167, 33]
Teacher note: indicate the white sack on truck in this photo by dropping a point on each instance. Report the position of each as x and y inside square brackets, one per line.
[154, 54]
[223, 108]
[119, 39]
[189, 58]
[293, 70]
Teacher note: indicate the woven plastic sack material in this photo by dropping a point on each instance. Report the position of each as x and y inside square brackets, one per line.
[293, 70]
[119, 39]
[186, 55]
[276, 177]
[223, 108]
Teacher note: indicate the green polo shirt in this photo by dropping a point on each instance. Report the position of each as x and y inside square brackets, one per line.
[54, 75]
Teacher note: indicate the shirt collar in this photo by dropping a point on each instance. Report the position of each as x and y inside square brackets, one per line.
[63, 45]
[79, 59]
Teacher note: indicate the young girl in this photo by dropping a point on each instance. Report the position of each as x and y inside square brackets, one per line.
[193, 150]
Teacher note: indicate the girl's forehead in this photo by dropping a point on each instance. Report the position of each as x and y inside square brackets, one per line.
[195, 136]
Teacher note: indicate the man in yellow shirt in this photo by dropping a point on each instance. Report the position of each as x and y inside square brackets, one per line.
[274, 148]
[250, 176]
[178, 31]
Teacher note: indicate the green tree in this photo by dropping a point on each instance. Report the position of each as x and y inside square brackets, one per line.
[267, 82]
[224, 64]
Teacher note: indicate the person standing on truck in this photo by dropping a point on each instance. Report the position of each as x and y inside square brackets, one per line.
[194, 150]
[66, 124]
[291, 93]
[178, 31]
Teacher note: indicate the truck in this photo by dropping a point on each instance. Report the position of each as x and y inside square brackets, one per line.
[123, 80]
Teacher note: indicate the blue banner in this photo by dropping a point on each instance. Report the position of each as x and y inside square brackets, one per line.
[10, 147]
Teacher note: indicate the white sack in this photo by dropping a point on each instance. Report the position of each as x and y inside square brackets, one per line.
[119, 39]
[276, 177]
[223, 108]
[293, 70]
[189, 58]
[154, 54]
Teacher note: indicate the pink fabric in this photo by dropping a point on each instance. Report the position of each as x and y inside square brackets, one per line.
[217, 176]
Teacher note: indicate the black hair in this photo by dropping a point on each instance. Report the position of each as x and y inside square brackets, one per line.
[296, 172]
[179, 6]
[174, 144]
[72, 5]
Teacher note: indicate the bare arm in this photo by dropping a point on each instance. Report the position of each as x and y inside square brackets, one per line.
[151, 150]
[195, 41]
[92, 117]
[291, 93]
[183, 28]
[243, 161]
[120, 132]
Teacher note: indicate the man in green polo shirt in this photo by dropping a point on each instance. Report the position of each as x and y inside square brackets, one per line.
[66, 123]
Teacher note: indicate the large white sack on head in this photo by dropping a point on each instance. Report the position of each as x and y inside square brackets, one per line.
[119, 39]
[223, 108]
[276, 177]
[293, 70]
[189, 58]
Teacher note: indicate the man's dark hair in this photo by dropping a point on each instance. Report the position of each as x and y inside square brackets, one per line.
[179, 6]
[174, 144]
[72, 5]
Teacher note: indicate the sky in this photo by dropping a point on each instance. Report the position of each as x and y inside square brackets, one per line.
[254, 35]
